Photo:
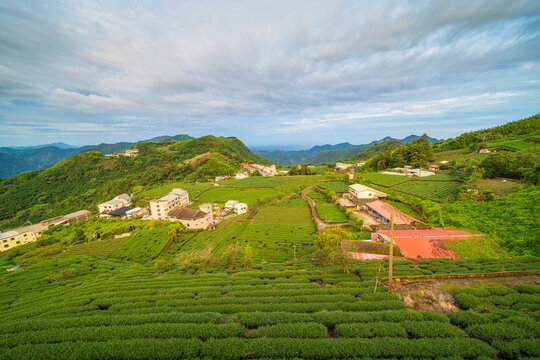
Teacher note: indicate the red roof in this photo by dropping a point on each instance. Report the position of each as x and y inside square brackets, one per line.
[426, 243]
[385, 210]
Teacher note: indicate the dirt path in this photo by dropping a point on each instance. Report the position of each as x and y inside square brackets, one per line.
[321, 225]
[437, 294]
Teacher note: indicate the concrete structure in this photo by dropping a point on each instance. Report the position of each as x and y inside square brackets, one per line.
[20, 236]
[59, 220]
[116, 203]
[424, 243]
[77, 216]
[175, 199]
[131, 152]
[120, 213]
[135, 212]
[383, 211]
[230, 204]
[193, 218]
[364, 192]
[240, 208]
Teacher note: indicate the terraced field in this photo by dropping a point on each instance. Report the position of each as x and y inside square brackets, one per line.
[102, 308]
[331, 214]
[258, 182]
[384, 179]
[431, 190]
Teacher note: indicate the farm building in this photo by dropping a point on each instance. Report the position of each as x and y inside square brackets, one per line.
[424, 243]
[176, 198]
[347, 203]
[20, 236]
[240, 208]
[77, 216]
[434, 167]
[383, 211]
[116, 203]
[364, 192]
[120, 213]
[230, 204]
[201, 218]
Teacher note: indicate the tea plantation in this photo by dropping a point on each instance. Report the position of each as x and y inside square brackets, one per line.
[95, 307]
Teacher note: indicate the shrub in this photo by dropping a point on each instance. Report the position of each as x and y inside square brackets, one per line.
[518, 348]
[431, 329]
[256, 319]
[376, 329]
[299, 330]
[467, 318]
[497, 331]
[231, 348]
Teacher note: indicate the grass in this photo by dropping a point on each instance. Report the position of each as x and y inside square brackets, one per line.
[498, 186]
[97, 247]
[300, 182]
[476, 247]
[336, 186]
[284, 215]
[431, 190]
[271, 182]
[293, 202]
[384, 179]
[144, 246]
[222, 194]
[318, 197]
[194, 190]
[331, 214]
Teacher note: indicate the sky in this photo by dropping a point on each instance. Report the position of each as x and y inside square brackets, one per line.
[296, 73]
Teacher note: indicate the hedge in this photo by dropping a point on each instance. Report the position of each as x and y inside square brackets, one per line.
[497, 331]
[518, 348]
[256, 319]
[467, 318]
[368, 330]
[299, 330]
[431, 329]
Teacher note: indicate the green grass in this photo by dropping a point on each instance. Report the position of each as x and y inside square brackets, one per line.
[431, 190]
[284, 215]
[194, 190]
[331, 214]
[301, 182]
[336, 186]
[293, 202]
[271, 182]
[384, 179]
[318, 197]
[222, 194]
[498, 186]
[516, 144]
[96, 247]
[476, 247]
[144, 246]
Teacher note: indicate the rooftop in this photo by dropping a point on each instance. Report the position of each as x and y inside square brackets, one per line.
[36, 228]
[77, 213]
[360, 188]
[121, 211]
[186, 213]
[385, 210]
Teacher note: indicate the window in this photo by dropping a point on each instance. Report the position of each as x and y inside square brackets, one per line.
[18, 242]
[6, 246]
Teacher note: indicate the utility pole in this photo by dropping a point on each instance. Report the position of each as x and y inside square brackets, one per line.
[294, 249]
[391, 264]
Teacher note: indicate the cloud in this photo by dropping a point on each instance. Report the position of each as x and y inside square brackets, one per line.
[271, 67]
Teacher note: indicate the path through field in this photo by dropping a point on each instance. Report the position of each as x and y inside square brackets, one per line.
[321, 225]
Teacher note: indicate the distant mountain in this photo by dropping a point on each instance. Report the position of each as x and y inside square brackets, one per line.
[27, 158]
[86, 179]
[328, 153]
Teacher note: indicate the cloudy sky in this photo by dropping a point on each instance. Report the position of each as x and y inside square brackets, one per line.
[269, 72]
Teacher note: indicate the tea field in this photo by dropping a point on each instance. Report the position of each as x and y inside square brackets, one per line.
[94, 307]
[331, 214]
[431, 190]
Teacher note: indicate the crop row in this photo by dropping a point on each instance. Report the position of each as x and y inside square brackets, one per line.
[271, 348]
[145, 245]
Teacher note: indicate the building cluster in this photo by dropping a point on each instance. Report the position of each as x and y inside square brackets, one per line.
[26, 234]
[263, 170]
[129, 152]
[119, 208]
[345, 166]
[173, 207]
[236, 207]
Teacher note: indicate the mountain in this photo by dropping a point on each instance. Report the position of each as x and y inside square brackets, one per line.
[328, 153]
[89, 178]
[41, 156]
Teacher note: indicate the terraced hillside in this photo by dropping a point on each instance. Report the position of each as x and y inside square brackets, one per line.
[92, 307]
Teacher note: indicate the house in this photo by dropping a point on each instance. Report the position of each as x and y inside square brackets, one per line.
[240, 208]
[175, 199]
[20, 236]
[383, 211]
[364, 192]
[241, 175]
[434, 167]
[424, 243]
[120, 213]
[347, 203]
[201, 218]
[59, 220]
[131, 152]
[77, 216]
[135, 212]
[343, 166]
[116, 203]
[230, 204]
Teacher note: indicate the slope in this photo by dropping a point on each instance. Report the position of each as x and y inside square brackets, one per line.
[87, 179]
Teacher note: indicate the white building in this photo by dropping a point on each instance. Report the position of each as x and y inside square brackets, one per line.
[230, 204]
[116, 203]
[193, 218]
[175, 199]
[364, 192]
[241, 175]
[240, 208]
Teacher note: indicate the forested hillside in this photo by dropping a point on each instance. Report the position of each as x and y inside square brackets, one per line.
[87, 179]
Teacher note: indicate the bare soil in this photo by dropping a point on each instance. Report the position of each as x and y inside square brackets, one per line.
[437, 295]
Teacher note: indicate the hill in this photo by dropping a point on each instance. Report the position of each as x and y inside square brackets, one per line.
[328, 153]
[89, 178]
[41, 156]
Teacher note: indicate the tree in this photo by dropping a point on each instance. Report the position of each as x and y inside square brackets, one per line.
[249, 256]
[230, 254]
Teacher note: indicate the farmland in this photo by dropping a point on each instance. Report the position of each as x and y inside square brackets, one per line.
[335, 186]
[318, 197]
[143, 246]
[284, 215]
[384, 179]
[221, 194]
[97, 307]
[498, 186]
[331, 214]
[194, 190]
[258, 182]
[431, 190]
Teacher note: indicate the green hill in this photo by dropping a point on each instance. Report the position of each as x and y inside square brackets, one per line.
[89, 178]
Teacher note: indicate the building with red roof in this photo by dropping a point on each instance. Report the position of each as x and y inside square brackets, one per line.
[383, 211]
[424, 243]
